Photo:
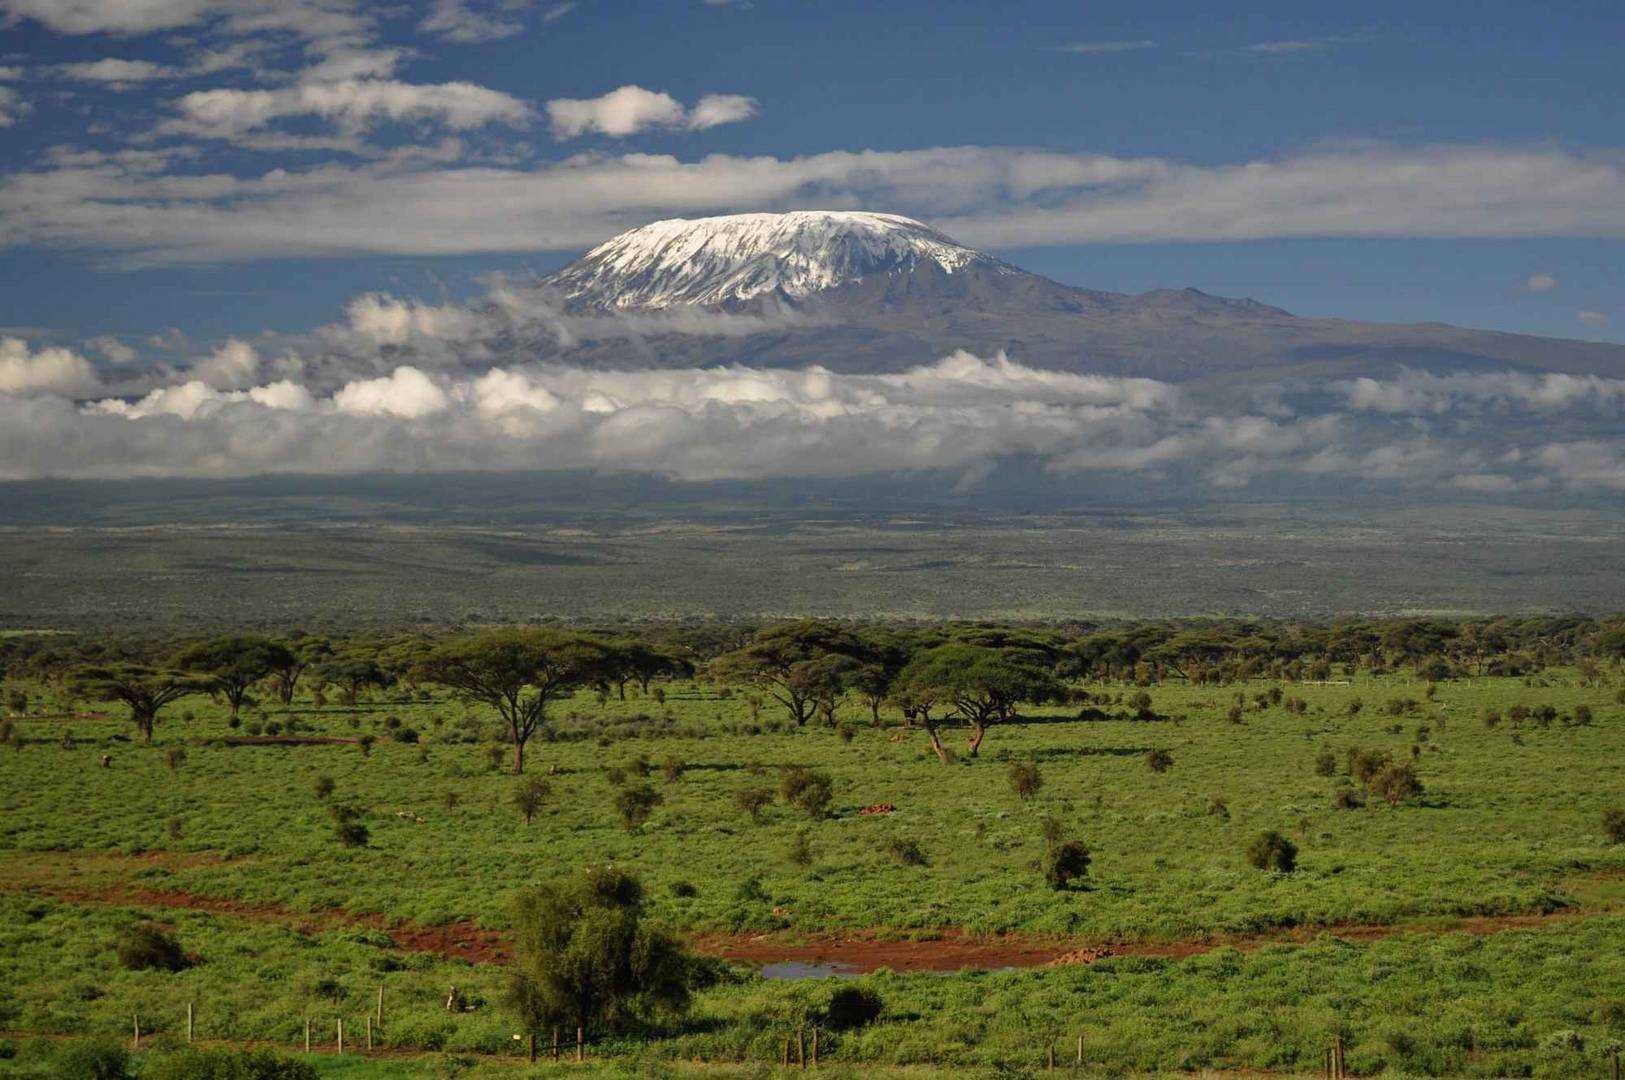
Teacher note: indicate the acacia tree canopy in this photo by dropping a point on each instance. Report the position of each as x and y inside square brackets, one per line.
[145, 690]
[518, 672]
[980, 684]
[800, 665]
[234, 663]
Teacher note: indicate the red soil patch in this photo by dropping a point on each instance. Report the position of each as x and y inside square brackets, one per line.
[858, 952]
[457, 941]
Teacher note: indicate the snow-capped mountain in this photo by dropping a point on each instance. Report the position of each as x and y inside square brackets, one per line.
[739, 258]
[859, 291]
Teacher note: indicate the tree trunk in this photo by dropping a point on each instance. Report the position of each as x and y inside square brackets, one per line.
[977, 731]
[518, 756]
[144, 724]
[936, 743]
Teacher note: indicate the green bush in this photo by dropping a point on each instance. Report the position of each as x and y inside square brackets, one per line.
[1159, 760]
[1272, 851]
[147, 947]
[1396, 784]
[193, 1064]
[636, 804]
[1065, 863]
[98, 1059]
[753, 800]
[906, 851]
[1613, 824]
[852, 1007]
[1025, 779]
[807, 789]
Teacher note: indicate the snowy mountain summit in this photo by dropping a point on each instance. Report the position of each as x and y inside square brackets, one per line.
[741, 259]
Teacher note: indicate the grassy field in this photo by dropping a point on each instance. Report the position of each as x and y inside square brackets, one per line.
[1509, 825]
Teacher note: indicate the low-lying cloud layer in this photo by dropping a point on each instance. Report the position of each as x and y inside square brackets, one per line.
[1493, 433]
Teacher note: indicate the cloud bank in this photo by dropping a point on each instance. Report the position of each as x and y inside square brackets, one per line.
[1470, 433]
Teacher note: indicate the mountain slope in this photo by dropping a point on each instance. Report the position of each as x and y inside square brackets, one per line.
[857, 291]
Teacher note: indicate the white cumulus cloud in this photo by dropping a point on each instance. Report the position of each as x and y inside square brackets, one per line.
[631, 109]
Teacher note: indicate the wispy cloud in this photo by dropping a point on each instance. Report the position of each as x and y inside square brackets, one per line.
[632, 109]
[1092, 48]
[1540, 283]
[1598, 319]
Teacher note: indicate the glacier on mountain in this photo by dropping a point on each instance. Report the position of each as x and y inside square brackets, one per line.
[720, 261]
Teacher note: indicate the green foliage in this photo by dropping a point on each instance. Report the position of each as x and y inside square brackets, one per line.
[200, 1064]
[753, 800]
[906, 851]
[1272, 851]
[149, 947]
[348, 828]
[586, 955]
[636, 804]
[1396, 783]
[1159, 760]
[1025, 779]
[93, 1059]
[1066, 862]
[852, 1007]
[807, 789]
[530, 795]
[1613, 824]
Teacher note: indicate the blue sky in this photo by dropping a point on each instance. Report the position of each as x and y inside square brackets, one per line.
[254, 164]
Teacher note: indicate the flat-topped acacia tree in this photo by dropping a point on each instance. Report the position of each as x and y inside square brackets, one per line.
[981, 684]
[801, 665]
[518, 672]
[234, 663]
[145, 690]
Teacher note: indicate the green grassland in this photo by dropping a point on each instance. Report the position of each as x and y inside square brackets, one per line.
[1510, 823]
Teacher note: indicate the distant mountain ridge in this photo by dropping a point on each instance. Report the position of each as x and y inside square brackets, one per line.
[858, 291]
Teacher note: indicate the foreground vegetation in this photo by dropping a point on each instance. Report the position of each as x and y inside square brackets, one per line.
[1174, 787]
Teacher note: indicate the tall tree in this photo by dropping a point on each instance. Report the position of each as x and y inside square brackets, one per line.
[982, 685]
[518, 672]
[300, 656]
[234, 663]
[146, 690]
[585, 956]
[801, 665]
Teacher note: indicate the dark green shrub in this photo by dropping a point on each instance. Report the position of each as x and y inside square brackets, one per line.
[1159, 760]
[852, 1007]
[95, 1059]
[1325, 762]
[529, 795]
[1066, 862]
[323, 786]
[147, 947]
[1348, 799]
[1272, 851]
[906, 851]
[175, 757]
[194, 1064]
[636, 804]
[1218, 807]
[1613, 824]
[1364, 764]
[348, 828]
[671, 769]
[684, 890]
[800, 852]
[406, 735]
[1396, 784]
[1025, 779]
[806, 789]
[753, 800]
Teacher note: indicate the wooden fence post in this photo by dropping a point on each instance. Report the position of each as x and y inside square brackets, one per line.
[135, 1020]
[341, 1035]
[307, 1034]
[581, 1042]
[555, 1044]
[380, 1004]
[1080, 1051]
[815, 1046]
[1613, 1068]
[190, 1019]
[784, 1055]
[533, 1048]
[369, 1033]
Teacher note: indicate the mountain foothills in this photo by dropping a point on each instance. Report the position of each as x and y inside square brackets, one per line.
[870, 292]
